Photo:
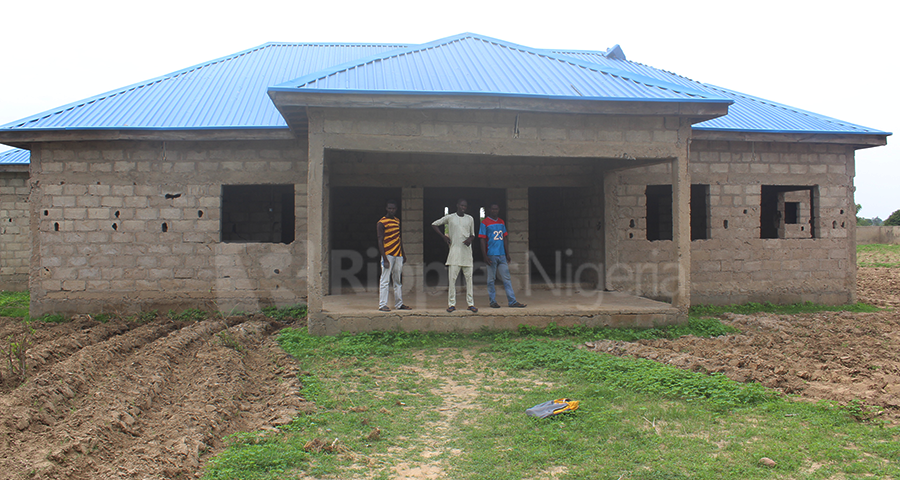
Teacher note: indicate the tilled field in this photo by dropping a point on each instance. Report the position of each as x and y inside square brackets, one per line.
[131, 400]
[836, 356]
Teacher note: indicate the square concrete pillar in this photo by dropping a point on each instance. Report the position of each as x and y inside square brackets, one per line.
[413, 236]
[681, 219]
[517, 225]
[317, 226]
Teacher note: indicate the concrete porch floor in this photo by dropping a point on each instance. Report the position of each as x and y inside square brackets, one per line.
[358, 312]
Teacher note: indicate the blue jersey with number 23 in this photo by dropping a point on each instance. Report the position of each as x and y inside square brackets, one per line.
[493, 231]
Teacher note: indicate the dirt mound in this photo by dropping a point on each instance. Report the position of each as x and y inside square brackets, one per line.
[838, 356]
[129, 400]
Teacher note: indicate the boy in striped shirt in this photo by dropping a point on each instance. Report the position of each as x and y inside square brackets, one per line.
[390, 247]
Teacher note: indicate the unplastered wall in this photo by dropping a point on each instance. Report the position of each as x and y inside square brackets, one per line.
[129, 226]
[735, 265]
[15, 233]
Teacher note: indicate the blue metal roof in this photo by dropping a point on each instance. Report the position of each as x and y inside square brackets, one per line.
[229, 92]
[746, 114]
[16, 156]
[474, 64]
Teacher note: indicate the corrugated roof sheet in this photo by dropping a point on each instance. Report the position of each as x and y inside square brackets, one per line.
[16, 156]
[746, 114]
[474, 64]
[229, 92]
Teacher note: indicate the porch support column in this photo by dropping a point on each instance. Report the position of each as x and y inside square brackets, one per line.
[316, 224]
[681, 217]
[517, 225]
[411, 211]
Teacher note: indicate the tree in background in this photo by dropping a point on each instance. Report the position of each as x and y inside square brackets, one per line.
[894, 219]
[861, 222]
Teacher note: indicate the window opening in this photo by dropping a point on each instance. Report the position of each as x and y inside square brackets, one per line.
[257, 214]
[788, 211]
[659, 212]
[700, 212]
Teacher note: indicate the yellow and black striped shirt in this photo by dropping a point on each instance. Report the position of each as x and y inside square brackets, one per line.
[391, 236]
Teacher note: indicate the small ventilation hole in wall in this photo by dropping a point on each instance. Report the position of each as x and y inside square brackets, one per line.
[165, 227]
[842, 211]
[117, 214]
[56, 227]
[745, 211]
[115, 227]
[842, 225]
[725, 223]
[630, 235]
[631, 223]
[277, 271]
[170, 196]
[834, 224]
[199, 213]
[802, 229]
[46, 212]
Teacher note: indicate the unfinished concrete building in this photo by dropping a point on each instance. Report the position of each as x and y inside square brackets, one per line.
[256, 179]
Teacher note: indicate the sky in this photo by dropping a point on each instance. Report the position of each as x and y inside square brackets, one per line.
[835, 58]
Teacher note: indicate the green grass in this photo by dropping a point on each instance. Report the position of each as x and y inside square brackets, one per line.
[792, 309]
[457, 402]
[878, 255]
[14, 304]
[293, 312]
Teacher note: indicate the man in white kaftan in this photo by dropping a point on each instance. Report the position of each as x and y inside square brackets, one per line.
[459, 237]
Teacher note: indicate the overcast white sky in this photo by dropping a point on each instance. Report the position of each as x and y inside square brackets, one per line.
[837, 58]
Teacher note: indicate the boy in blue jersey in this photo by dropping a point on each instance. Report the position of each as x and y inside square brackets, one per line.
[495, 250]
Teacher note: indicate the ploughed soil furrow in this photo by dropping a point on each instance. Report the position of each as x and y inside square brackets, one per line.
[210, 397]
[48, 396]
[47, 353]
[837, 356]
[151, 403]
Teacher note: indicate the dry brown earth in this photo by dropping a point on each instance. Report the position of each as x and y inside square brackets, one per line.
[837, 356]
[129, 400]
[154, 400]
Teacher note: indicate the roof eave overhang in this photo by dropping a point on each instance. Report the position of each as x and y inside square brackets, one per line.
[20, 138]
[293, 104]
[857, 140]
[14, 167]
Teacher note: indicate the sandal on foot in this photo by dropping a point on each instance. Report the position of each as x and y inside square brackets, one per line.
[517, 305]
[384, 309]
[473, 309]
[495, 305]
[451, 309]
[404, 307]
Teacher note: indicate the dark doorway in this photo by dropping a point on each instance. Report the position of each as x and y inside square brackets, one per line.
[354, 251]
[439, 200]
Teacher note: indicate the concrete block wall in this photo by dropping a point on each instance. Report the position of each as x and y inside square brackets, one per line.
[15, 231]
[99, 212]
[498, 133]
[735, 265]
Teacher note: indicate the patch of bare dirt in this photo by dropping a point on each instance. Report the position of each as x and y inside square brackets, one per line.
[837, 356]
[130, 400]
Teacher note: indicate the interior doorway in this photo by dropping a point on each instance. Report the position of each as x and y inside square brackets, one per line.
[354, 251]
